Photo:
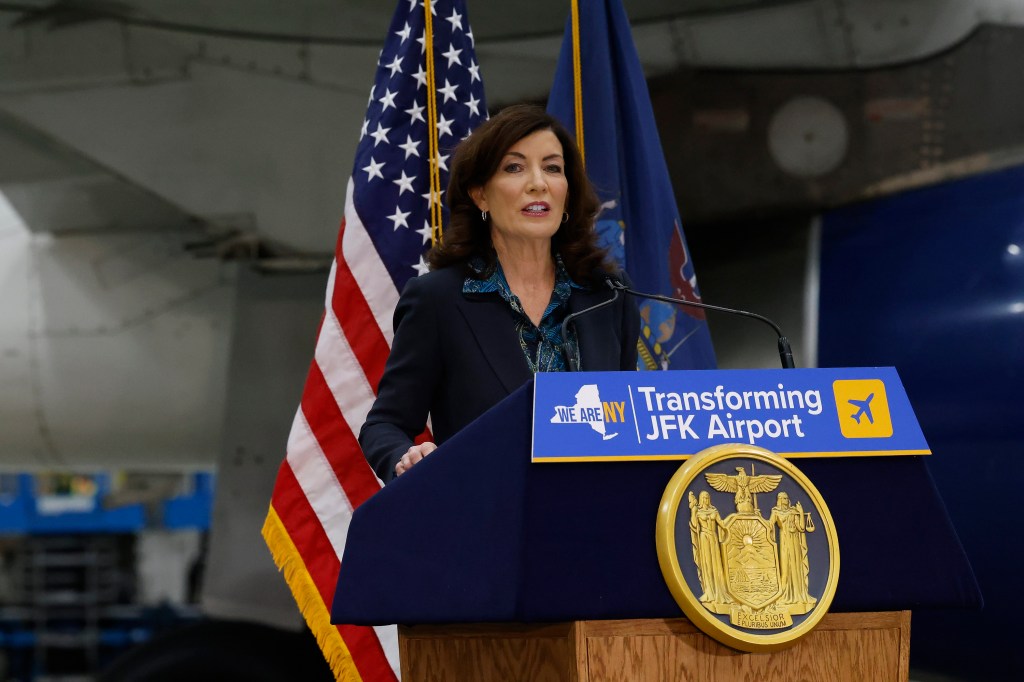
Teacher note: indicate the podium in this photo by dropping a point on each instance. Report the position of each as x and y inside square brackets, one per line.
[488, 560]
[844, 646]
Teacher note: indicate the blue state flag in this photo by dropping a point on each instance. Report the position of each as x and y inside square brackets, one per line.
[639, 223]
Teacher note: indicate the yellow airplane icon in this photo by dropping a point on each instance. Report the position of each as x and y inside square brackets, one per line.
[863, 408]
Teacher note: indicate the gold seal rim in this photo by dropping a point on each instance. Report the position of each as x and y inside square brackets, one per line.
[668, 558]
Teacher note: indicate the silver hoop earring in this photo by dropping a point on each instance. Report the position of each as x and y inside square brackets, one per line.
[483, 216]
[565, 217]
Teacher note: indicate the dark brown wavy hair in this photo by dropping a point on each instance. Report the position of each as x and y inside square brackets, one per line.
[477, 159]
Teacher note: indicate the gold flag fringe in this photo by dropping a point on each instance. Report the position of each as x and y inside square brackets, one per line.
[318, 618]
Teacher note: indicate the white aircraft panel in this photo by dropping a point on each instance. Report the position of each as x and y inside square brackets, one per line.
[225, 143]
[115, 350]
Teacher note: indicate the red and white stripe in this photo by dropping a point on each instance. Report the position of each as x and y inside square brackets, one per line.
[325, 476]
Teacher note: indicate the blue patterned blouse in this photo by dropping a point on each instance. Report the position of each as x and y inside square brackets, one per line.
[542, 346]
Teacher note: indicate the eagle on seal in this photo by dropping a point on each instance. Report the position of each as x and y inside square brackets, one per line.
[744, 486]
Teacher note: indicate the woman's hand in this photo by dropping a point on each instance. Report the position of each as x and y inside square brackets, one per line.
[413, 455]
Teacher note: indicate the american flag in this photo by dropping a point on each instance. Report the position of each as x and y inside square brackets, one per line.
[384, 236]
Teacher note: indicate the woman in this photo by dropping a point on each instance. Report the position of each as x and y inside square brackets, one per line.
[518, 256]
[793, 563]
[706, 531]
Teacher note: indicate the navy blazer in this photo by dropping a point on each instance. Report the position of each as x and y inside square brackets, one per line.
[455, 355]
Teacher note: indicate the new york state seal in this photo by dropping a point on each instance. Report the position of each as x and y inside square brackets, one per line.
[747, 547]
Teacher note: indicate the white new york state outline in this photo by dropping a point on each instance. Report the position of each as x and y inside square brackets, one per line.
[556, 419]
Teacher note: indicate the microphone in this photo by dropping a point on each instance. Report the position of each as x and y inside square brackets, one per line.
[785, 352]
[574, 365]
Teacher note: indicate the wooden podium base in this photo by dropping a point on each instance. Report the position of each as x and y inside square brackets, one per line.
[844, 646]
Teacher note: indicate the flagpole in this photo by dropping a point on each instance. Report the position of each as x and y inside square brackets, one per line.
[432, 141]
[577, 79]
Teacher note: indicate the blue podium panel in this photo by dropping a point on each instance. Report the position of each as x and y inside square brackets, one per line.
[478, 533]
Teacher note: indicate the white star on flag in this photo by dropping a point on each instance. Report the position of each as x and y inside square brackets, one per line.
[388, 100]
[416, 113]
[441, 160]
[404, 185]
[395, 66]
[455, 20]
[399, 218]
[410, 146]
[448, 90]
[444, 126]
[380, 135]
[420, 76]
[427, 231]
[373, 170]
[436, 196]
[453, 56]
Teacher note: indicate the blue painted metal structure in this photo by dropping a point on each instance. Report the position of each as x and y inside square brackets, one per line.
[932, 282]
[25, 512]
[22, 511]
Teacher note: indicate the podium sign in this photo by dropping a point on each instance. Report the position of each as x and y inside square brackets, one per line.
[609, 416]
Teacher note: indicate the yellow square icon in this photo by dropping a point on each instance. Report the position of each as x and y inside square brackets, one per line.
[863, 408]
